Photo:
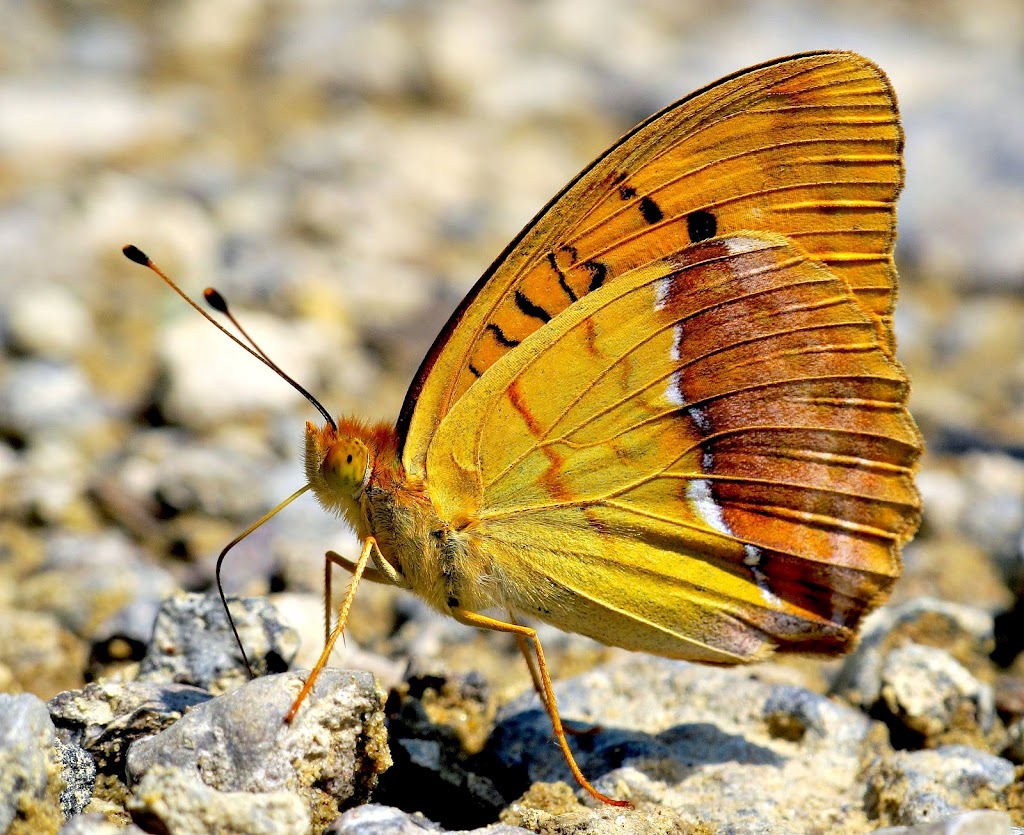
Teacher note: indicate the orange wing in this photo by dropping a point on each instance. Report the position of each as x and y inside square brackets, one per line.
[807, 146]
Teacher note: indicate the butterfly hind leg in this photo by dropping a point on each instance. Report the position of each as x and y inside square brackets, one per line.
[538, 684]
[529, 636]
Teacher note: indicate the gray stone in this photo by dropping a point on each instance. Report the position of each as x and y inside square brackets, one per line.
[374, 819]
[193, 642]
[860, 678]
[928, 693]
[916, 787]
[39, 396]
[331, 755]
[714, 745]
[96, 824]
[104, 719]
[78, 770]
[29, 771]
[968, 823]
[176, 801]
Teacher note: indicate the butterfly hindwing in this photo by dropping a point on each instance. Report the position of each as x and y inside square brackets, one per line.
[708, 458]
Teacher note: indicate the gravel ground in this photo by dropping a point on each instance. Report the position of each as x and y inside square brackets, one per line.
[342, 172]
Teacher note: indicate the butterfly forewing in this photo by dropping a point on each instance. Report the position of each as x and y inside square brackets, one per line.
[807, 146]
[709, 458]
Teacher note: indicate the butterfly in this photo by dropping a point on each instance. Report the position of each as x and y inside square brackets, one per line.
[669, 415]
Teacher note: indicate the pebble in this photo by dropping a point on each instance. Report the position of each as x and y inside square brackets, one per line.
[103, 719]
[193, 642]
[965, 630]
[968, 823]
[926, 694]
[330, 756]
[30, 783]
[95, 823]
[713, 745]
[915, 787]
[375, 819]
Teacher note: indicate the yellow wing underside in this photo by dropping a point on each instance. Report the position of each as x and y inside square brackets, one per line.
[708, 458]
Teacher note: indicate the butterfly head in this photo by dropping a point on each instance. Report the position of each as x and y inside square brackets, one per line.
[338, 465]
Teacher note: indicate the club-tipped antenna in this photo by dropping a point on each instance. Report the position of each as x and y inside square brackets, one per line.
[218, 303]
[220, 560]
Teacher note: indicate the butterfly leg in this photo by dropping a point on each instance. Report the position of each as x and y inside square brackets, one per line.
[334, 558]
[357, 573]
[538, 684]
[529, 636]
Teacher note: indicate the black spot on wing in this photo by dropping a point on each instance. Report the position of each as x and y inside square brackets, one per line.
[627, 193]
[530, 309]
[701, 225]
[499, 335]
[561, 278]
[598, 273]
[650, 210]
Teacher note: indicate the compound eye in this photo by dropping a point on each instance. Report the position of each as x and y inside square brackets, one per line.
[346, 466]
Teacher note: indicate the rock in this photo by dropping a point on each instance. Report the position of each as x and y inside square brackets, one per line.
[176, 801]
[929, 699]
[48, 321]
[965, 632]
[713, 745]
[968, 823]
[330, 756]
[210, 381]
[105, 718]
[38, 396]
[89, 578]
[375, 819]
[78, 770]
[435, 724]
[42, 657]
[96, 824]
[30, 783]
[914, 787]
[304, 614]
[193, 642]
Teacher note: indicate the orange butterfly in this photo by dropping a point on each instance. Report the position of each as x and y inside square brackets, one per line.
[668, 416]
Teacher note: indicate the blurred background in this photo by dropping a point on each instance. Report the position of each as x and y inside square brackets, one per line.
[343, 171]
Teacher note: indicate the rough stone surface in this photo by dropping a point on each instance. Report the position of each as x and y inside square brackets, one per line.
[30, 780]
[968, 823]
[913, 787]
[178, 802]
[104, 719]
[193, 642]
[927, 693]
[78, 771]
[374, 819]
[96, 824]
[331, 755]
[715, 746]
[964, 631]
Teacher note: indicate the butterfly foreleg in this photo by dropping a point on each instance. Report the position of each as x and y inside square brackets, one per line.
[526, 636]
[358, 570]
[388, 577]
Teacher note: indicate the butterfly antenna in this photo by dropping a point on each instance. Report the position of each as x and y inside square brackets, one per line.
[218, 303]
[220, 560]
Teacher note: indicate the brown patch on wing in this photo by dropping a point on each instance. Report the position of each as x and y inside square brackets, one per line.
[807, 445]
